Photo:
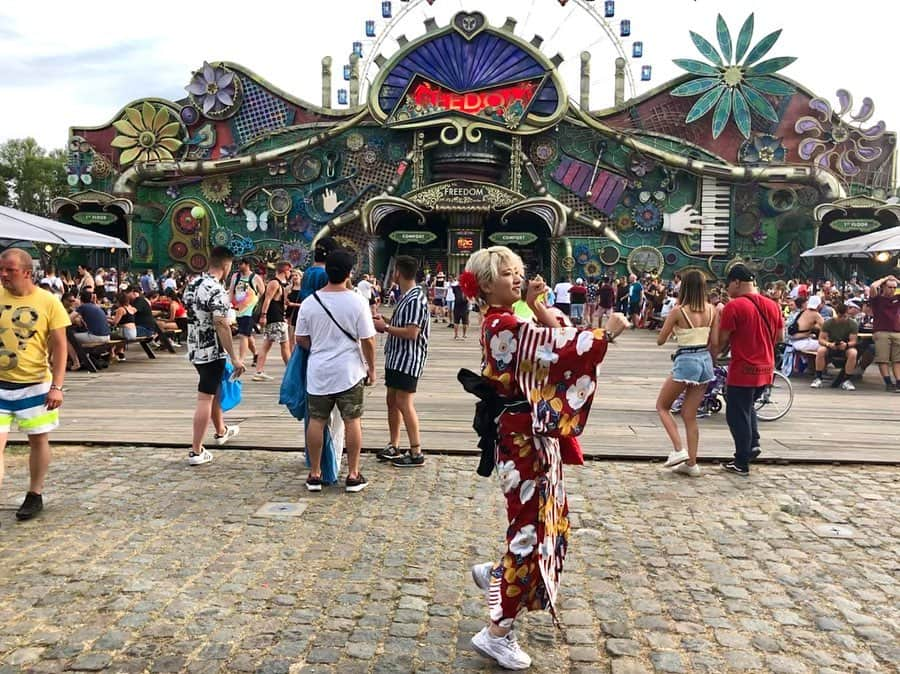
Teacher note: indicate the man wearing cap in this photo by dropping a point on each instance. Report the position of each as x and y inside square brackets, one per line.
[885, 303]
[335, 326]
[577, 299]
[750, 325]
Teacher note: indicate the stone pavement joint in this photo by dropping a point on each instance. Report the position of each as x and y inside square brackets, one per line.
[141, 564]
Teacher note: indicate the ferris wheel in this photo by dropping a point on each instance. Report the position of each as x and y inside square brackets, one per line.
[568, 27]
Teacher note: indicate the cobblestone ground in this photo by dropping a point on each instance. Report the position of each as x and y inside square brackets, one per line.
[140, 564]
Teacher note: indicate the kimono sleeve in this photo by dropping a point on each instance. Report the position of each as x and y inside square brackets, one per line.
[500, 338]
[557, 370]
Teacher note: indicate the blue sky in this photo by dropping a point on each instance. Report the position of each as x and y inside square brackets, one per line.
[78, 63]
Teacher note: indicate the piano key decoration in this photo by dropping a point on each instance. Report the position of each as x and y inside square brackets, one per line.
[715, 211]
[606, 188]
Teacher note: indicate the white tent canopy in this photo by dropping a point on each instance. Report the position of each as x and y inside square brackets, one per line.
[18, 226]
[886, 240]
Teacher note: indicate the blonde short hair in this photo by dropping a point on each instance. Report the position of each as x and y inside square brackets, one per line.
[485, 264]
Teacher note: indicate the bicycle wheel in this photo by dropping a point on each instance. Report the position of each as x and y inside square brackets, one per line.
[776, 400]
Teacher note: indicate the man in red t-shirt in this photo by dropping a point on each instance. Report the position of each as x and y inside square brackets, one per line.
[751, 325]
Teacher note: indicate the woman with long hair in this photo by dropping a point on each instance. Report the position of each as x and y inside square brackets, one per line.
[540, 379]
[694, 322]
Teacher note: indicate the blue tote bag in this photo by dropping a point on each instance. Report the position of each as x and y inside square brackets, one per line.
[293, 395]
[229, 391]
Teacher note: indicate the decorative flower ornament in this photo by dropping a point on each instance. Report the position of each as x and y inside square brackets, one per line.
[215, 90]
[763, 149]
[148, 134]
[839, 136]
[735, 86]
[469, 284]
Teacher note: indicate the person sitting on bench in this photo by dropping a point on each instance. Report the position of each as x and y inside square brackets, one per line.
[837, 341]
[92, 319]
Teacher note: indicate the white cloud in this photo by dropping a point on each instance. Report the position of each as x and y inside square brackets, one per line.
[68, 64]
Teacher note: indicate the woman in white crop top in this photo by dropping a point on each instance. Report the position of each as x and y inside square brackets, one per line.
[694, 323]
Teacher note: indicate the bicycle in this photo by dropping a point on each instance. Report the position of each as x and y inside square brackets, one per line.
[773, 403]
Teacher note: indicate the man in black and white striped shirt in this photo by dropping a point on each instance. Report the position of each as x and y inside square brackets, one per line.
[405, 353]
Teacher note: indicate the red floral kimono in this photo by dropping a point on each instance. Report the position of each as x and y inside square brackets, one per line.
[554, 370]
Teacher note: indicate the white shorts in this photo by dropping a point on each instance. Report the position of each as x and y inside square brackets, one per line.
[27, 406]
[806, 344]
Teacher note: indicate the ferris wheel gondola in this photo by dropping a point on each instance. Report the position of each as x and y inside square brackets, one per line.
[383, 35]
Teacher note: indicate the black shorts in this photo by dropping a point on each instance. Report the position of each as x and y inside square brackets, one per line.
[400, 381]
[461, 313]
[438, 302]
[634, 308]
[564, 307]
[245, 325]
[210, 376]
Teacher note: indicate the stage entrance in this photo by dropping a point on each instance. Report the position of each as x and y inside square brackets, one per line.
[446, 240]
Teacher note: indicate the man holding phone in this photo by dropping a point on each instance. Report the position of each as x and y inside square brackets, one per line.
[837, 341]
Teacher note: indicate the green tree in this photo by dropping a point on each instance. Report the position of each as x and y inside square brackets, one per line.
[30, 177]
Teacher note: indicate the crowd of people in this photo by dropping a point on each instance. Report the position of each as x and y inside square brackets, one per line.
[541, 347]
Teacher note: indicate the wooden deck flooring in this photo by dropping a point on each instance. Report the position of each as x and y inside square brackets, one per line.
[143, 402]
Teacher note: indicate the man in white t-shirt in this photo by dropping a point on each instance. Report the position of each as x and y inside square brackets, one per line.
[364, 288]
[335, 325]
[561, 291]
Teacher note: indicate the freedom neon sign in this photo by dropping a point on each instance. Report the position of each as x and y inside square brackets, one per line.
[505, 104]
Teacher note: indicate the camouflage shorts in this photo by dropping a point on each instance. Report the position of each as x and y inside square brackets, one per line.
[276, 332]
[349, 403]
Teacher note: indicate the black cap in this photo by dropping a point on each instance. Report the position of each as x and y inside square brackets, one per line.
[338, 265]
[740, 272]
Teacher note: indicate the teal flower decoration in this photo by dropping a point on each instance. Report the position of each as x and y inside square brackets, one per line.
[733, 86]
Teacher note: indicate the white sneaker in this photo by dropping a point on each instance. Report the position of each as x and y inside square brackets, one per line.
[687, 469]
[262, 376]
[481, 574]
[676, 457]
[230, 432]
[504, 650]
[199, 459]
[848, 386]
[817, 383]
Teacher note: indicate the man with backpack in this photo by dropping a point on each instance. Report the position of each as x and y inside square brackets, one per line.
[272, 320]
[245, 290]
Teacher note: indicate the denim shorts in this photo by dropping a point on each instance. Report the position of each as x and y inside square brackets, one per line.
[693, 367]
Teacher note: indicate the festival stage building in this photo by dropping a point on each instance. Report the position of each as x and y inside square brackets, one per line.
[467, 137]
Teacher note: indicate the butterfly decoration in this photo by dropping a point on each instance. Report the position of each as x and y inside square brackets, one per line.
[241, 245]
[253, 220]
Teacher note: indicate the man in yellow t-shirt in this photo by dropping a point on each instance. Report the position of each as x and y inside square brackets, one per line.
[32, 327]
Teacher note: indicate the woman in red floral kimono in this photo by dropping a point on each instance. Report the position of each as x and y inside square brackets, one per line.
[544, 372]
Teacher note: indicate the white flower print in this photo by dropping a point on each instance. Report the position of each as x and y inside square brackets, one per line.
[524, 541]
[503, 346]
[509, 476]
[526, 491]
[545, 355]
[579, 392]
[563, 336]
[584, 343]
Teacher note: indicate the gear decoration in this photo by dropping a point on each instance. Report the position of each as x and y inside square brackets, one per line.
[647, 217]
[592, 268]
[568, 263]
[370, 156]
[221, 237]
[355, 142]
[543, 152]
[216, 188]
